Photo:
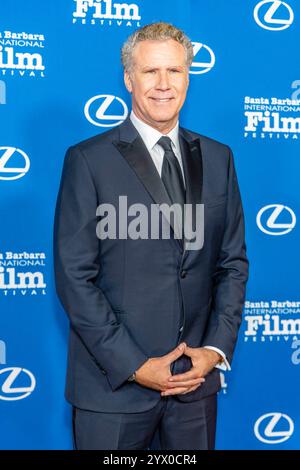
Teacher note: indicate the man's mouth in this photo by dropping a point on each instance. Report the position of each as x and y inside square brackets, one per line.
[161, 100]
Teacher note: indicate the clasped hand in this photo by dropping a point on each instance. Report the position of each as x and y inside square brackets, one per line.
[155, 373]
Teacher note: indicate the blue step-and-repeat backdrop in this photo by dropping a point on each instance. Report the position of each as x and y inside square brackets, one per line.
[61, 82]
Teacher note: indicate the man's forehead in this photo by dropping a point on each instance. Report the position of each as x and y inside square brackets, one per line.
[153, 46]
[169, 50]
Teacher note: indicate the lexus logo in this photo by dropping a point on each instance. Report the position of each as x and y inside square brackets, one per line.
[273, 15]
[269, 218]
[273, 428]
[14, 163]
[207, 57]
[12, 374]
[97, 109]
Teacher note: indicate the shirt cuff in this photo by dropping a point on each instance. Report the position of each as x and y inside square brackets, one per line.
[225, 364]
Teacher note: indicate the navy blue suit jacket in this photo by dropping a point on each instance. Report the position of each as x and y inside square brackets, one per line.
[127, 299]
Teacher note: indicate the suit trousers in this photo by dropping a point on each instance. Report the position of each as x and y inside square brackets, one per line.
[179, 425]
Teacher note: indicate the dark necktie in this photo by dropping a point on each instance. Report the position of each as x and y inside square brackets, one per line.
[171, 174]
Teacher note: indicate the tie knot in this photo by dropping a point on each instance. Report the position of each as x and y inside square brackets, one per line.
[165, 142]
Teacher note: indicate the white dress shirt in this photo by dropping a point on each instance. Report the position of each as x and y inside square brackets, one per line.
[150, 137]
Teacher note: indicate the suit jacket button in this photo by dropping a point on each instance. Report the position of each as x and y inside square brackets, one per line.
[183, 274]
[103, 371]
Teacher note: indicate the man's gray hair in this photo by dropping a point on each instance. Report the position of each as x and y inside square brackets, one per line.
[160, 31]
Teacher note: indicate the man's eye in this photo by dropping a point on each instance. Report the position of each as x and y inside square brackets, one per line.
[175, 70]
[150, 71]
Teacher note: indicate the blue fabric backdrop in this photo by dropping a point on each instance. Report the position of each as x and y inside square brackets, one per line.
[59, 60]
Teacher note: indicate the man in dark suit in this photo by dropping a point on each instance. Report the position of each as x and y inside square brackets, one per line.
[152, 319]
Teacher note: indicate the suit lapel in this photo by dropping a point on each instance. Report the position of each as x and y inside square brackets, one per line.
[138, 157]
[132, 148]
[193, 171]
[135, 152]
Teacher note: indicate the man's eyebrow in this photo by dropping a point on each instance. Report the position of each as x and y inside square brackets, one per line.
[153, 67]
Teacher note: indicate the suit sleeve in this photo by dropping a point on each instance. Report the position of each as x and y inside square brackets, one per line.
[76, 265]
[231, 274]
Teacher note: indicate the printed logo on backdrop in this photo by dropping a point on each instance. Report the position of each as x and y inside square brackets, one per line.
[106, 13]
[9, 376]
[19, 56]
[14, 163]
[295, 85]
[2, 92]
[105, 110]
[16, 383]
[273, 15]
[224, 384]
[204, 59]
[295, 357]
[271, 321]
[2, 352]
[271, 118]
[276, 219]
[274, 428]
[21, 274]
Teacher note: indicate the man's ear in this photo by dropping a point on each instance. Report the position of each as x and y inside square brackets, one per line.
[127, 81]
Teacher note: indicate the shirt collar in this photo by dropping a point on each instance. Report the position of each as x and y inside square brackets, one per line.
[150, 135]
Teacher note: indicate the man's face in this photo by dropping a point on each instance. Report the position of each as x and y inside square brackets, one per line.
[158, 82]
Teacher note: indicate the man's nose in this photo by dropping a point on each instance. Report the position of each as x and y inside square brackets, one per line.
[163, 81]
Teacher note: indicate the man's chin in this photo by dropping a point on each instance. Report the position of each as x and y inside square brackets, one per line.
[161, 117]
